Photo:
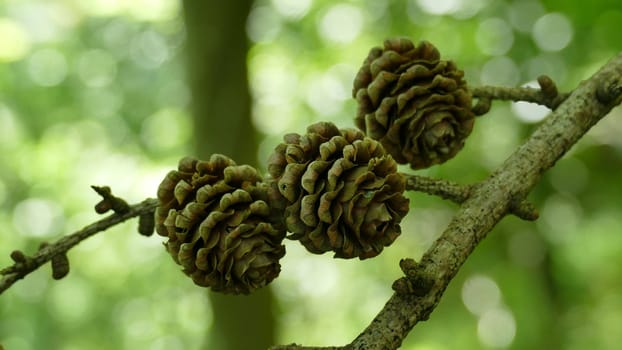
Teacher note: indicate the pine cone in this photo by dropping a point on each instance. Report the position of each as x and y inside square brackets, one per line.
[341, 192]
[417, 105]
[219, 224]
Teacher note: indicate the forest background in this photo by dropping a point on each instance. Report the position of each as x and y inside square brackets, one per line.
[97, 92]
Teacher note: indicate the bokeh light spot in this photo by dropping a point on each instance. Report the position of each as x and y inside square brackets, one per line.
[272, 119]
[37, 217]
[263, 24]
[469, 8]
[274, 86]
[102, 102]
[11, 131]
[497, 328]
[500, 71]
[46, 21]
[47, 67]
[310, 277]
[142, 10]
[153, 10]
[552, 32]
[101, 7]
[559, 218]
[15, 42]
[327, 92]
[292, 9]
[523, 14]
[417, 16]
[273, 79]
[166, 129]
[324, 93]
[376, 10]
[97, 68]
[480, 293]
[342, 23]
[494, 36]
[149, 50]
[438, 7]
[114, 36]
[527, 111]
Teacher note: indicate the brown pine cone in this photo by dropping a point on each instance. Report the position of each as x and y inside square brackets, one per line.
[219, 224]
[341, 192]
[417, 105]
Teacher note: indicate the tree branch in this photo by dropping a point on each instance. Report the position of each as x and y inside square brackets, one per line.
[420, 291]
[547, 95]
[459, 193]
[26, 264]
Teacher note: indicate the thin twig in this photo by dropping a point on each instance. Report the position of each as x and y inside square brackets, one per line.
[547, 95]
[459, 193]
[516, 94]
[19, 270]
[438, 187]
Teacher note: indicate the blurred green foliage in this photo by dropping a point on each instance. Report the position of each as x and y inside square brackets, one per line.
[93, 92]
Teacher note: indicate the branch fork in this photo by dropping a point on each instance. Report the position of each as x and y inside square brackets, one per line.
[547, 95]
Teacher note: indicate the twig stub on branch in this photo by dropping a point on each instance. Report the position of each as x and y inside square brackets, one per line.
[109, 201]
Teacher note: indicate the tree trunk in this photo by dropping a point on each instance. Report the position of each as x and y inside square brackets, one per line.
[217, 47]
[217, 73]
